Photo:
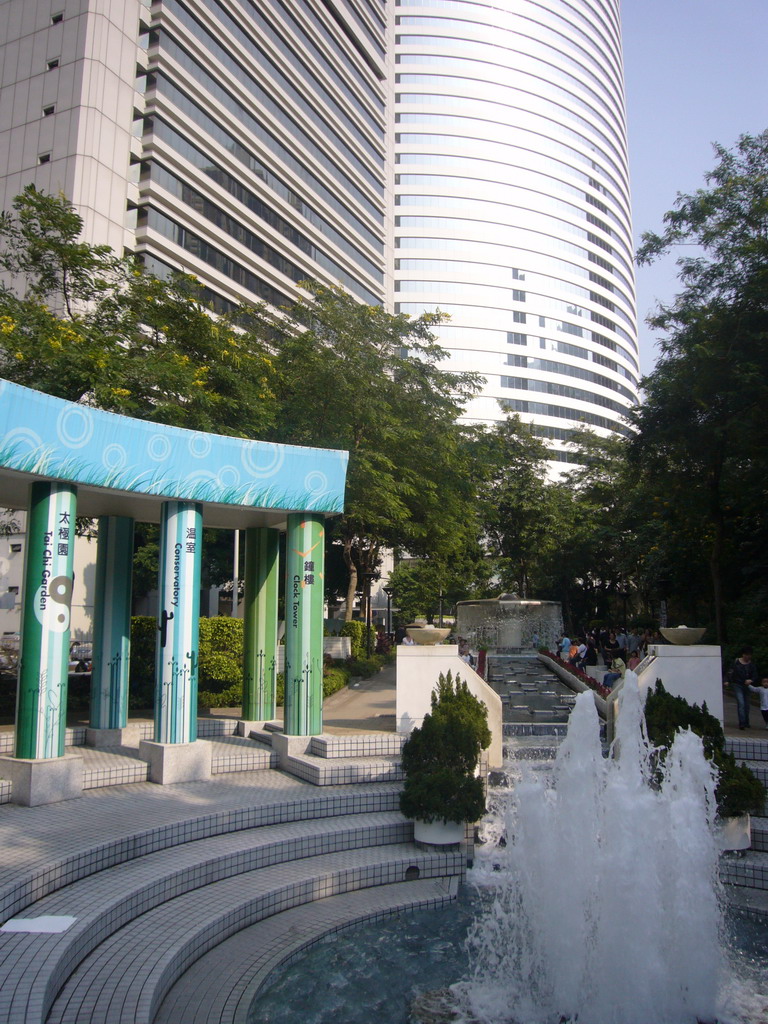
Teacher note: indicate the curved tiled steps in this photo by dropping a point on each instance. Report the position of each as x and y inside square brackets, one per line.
[221, 987]
[127, 977]
[170, 893]
[106, 901]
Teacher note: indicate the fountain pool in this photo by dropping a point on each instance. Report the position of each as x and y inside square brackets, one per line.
[602, 906]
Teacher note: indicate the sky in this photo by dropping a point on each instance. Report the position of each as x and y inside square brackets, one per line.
[696, 72]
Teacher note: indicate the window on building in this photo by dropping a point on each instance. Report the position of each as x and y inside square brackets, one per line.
[44, 158]
[54, 63]
[50, 109]
[15, 548]
[518, 317]
[517, 295]
[56, 18]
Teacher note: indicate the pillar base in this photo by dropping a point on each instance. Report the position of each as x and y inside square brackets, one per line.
[44, 780]
[128, 736]
[177, 762]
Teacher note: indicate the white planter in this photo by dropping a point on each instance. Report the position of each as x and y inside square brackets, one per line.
[735, 833]
[439, 833]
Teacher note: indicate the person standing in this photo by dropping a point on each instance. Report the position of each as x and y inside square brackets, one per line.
[743, 674]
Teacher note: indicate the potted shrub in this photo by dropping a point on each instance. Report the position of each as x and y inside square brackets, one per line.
[739, 792]
[442, 790]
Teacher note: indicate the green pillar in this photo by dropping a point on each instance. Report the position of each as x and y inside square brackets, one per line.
[41, 708]
[112, 624]
[262, 568]
[178, 623]
[304, 594]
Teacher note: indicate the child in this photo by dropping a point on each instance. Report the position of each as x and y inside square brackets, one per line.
[763, 691]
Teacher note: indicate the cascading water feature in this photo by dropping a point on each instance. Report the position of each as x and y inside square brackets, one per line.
[605, 905]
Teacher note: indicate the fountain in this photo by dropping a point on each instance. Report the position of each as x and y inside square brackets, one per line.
[605, 899]
[507, 622]
[599, 902]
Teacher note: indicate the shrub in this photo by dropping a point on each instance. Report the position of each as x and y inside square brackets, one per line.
[365, 667]
[441, 756]
[355, 630]
[141, 686]
[232, 697]
[334, 679]
[738, 791]
[220, 659]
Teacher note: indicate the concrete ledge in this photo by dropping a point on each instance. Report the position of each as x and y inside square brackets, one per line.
[128, 736]
[245, 728]
[177, 762]
[43, 780]
[287, 747]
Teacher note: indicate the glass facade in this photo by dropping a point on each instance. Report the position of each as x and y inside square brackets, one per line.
[263, 147]
[512, 203]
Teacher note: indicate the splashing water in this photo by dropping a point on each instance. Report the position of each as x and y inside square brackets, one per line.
[604, 901]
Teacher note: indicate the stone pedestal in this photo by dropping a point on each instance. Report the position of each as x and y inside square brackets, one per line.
[693, 672]
[418, 671]
[43, 780]
[128, 736]
[177, 762]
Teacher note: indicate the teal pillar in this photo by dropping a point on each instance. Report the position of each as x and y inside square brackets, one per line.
[262, 570]
[178, 622]
[41, 708]
[304, 598]
[112, 624]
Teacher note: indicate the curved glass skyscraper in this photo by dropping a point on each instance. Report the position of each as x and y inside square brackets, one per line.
[512, 203]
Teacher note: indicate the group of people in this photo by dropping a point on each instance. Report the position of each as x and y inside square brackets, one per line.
[619, 649]
[743, 678]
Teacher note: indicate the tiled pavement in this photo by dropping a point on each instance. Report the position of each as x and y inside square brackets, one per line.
[124, 850]
[156, 876]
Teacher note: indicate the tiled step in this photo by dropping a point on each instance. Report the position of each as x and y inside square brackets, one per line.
[331, 760]
[33, 968]
[760, 769]
[130, 842]
[362, 745]
[236, 754]
[322, 771]
[111, 766]
[747, 749]
[125, 980]
[759, 833]
[120, 766]
[221, 987]
[749, 870]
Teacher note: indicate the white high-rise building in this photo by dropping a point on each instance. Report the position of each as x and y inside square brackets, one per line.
[512, 210]
[458, 154]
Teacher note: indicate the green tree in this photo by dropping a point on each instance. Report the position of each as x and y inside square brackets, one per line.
[80, 323]
[520, 524]
[422, 585]
[702, 430]
[355, 377]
